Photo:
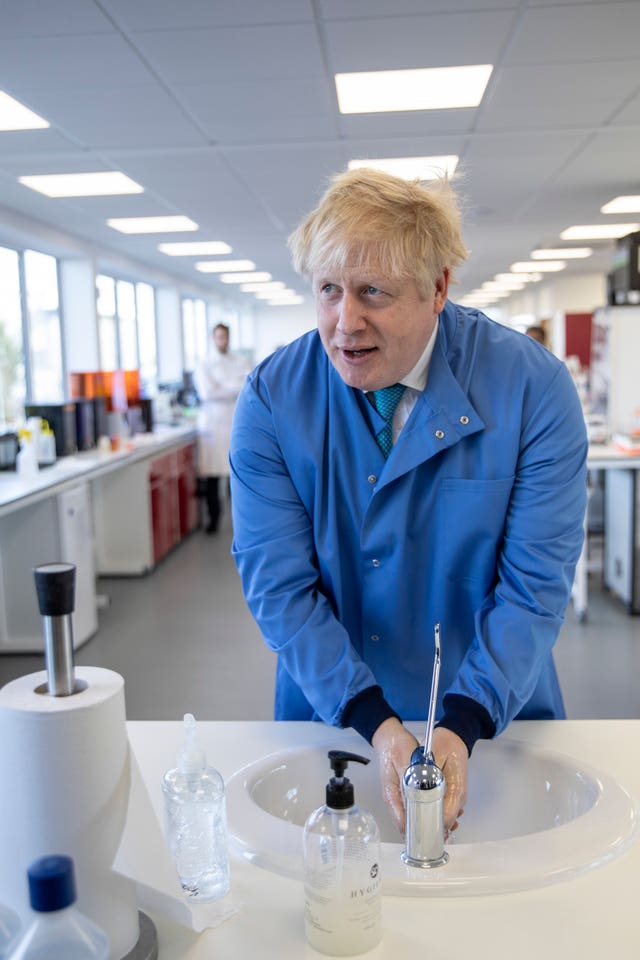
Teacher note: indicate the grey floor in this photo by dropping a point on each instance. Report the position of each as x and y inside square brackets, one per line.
[185, 642]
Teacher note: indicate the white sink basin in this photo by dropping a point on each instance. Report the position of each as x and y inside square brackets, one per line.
[533, 817]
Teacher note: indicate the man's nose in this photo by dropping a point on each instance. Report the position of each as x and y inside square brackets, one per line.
[351, 316]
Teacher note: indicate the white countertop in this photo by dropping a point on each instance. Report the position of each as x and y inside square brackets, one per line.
[607, 455]
[17, 491]
[593, 916]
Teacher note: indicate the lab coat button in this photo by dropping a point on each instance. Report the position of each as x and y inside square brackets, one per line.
[375, 563]
[372, 478]
[439, 434]
[464, 420]
[374, 638]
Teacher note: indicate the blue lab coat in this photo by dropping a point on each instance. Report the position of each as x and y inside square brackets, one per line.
[475, 521]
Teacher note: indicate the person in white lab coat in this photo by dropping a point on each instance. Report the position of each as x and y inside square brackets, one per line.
[218, 379]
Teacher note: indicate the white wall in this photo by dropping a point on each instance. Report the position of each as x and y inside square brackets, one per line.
[582, 293]
[275, 326]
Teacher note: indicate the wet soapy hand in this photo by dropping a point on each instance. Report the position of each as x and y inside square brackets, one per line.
[450, 753]
[394, 745]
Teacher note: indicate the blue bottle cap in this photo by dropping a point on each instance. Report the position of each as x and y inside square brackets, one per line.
[52, 883]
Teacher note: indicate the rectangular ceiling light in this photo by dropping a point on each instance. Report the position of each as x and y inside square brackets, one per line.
[285, 301]
[542, 266]
[433, 88]
[411, 168]
[245, 277]
[622, 205]
[105, 184]
[524, 277]
[220, 266]
[15, 116]
[562, 253]
[599, 231]
[152, 224]
[197, 248]
[255, 287]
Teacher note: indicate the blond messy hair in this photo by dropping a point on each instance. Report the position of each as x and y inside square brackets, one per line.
[367, 217]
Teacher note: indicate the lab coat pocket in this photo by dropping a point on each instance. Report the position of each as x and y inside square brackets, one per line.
[472, 522]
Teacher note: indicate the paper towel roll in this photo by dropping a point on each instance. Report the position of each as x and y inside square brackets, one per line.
[64, 774]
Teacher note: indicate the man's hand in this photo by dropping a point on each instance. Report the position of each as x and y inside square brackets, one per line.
[450, 753]
[394, 745]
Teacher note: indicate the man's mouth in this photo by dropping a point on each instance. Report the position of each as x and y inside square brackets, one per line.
[363, 351]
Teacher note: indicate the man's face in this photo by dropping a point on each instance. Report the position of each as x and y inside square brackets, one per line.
[374, 329]
[221, 339]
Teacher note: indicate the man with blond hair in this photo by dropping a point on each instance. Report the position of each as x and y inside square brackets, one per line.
[410, 462]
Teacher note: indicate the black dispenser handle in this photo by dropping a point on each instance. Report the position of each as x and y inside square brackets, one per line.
[56, 588]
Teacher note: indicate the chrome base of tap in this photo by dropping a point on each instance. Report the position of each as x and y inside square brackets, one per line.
[424, 864]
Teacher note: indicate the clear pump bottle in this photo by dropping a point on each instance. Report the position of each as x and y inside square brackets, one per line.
[9, 929]
[59, 931]
[195, 821]
[342, 881]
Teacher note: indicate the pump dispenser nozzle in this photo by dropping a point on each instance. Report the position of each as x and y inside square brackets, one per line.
[340, 789]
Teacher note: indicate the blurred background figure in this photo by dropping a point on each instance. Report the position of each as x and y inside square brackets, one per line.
[537, 333]
[218, 380]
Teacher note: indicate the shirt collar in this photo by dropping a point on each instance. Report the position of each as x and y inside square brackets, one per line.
[417, 378]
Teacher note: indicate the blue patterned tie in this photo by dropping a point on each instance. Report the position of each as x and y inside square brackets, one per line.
[385, 402]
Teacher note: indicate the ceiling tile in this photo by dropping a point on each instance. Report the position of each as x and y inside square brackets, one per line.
[556, 95]
[97, 60]
[167, 14]
[232, 54]
[266, 110]
[585, 31]
[141, 116]
[395, 43]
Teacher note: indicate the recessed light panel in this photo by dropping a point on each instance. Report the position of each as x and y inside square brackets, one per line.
[152, 224]
[222, 266]
[542, 266]
[434, 88]
[255, 287]
[245, 277]
[197, 248]
[562, 253]
[622, 205]
[599, 231]
[285, 301]
[105, 184]
[15, 116]
[411, 168]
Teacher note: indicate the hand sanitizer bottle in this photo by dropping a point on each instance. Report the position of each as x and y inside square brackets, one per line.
[195, 821]
[9, 929]
[60, 931]
[342, 881]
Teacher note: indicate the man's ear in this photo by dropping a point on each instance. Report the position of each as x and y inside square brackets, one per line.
[441, 290]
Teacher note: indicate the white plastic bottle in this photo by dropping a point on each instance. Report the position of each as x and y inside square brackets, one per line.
[27, 459]
[342, 880]
[59, 931]
[9, 929]
[196, 822]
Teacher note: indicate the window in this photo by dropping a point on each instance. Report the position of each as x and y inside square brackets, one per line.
[147, 344]
[194, 332]
[43, 319]
[127, 327]
[13, 388]
[126, 306]
[107, 330]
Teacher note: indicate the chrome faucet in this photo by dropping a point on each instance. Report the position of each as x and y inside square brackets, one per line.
[424, 789]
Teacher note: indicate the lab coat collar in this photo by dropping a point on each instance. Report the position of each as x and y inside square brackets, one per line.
[443, 414]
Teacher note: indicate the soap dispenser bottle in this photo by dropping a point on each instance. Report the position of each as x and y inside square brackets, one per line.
[195, 821]
[342, 881]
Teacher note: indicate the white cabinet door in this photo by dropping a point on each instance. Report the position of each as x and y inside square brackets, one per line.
[77, 547]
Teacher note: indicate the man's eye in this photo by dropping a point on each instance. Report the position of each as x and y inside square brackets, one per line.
[327, 288]
[371, 291]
